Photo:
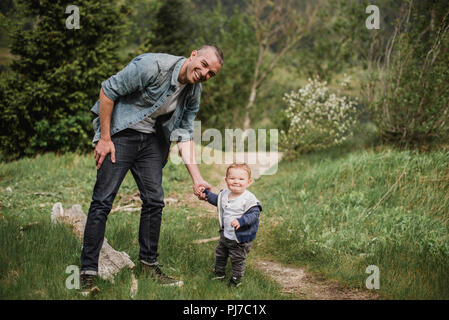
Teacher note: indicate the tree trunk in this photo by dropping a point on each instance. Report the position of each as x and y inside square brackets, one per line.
[252, 98]
[253, 93]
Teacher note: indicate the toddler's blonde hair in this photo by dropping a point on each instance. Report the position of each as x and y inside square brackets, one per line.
[243, 166]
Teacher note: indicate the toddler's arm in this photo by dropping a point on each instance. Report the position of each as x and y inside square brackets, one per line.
[250, 216]
[211, 197]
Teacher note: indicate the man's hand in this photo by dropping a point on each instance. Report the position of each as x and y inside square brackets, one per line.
[235, 224]
[198, 188]
[187, 151]
[103, 148]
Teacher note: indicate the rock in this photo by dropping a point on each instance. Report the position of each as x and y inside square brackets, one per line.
[111, 261]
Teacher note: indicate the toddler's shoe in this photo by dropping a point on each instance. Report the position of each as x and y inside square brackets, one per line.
[235, 282]
[218, 276]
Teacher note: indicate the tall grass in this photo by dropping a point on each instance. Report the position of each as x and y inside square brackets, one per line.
[339, 213]
[34, 262]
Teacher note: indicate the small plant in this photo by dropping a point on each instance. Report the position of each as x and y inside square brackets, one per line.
[318, 119]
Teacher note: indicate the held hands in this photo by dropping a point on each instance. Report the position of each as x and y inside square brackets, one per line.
[103, 147]
[199, 187]
[235, 224]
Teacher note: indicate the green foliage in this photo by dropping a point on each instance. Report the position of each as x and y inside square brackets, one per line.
[341, 39]
[337, 213]
[34, 264]
[173, 28]
[224, 96]
[410, 95]
[143, 22]
[46, 96]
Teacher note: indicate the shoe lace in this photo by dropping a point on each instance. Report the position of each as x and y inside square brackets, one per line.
[87, 281]
[159, 272]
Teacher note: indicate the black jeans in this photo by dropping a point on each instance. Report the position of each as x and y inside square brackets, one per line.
[145, 155]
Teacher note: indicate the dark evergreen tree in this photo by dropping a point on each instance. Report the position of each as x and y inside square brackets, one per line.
[46, 96]
[174, 28]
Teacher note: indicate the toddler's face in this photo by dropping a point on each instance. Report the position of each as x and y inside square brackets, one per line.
[237, 180]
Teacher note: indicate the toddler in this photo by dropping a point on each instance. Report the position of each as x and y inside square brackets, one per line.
[238, 215]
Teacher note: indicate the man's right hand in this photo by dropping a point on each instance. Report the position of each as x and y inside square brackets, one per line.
[104, 146]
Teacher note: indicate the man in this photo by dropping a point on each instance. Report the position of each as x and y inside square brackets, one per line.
[141, 110]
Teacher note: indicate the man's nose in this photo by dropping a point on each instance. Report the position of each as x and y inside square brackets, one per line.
[204, 74]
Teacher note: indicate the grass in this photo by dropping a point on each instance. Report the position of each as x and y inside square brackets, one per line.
[34, 263]
[334, 213]
[337, 213]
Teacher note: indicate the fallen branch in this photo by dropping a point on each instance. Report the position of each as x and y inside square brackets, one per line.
[206, 240]
[122, 208]
[50, 194]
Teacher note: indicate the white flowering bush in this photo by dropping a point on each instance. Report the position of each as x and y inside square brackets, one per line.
[318, 119]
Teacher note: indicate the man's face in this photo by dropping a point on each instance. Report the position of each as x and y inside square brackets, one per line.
[202, 65]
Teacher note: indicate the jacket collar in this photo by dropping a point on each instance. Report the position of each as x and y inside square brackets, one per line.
[175, 74]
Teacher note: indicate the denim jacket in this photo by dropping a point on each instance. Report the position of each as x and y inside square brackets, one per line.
[143, 86]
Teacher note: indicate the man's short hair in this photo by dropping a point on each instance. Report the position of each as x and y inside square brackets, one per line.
[217, 51]
[243, 166]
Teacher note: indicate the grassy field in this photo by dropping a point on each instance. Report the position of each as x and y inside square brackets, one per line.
[34, 264]
[334, 213]
[338, 213]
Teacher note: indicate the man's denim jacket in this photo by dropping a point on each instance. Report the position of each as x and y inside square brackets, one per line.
[143, 86]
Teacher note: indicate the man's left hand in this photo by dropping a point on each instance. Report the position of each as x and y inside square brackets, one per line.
[199, 187]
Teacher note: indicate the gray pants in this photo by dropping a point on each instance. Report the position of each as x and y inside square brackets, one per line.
[237, 252]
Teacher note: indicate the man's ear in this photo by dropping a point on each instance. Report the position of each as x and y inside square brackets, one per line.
[250, 182]
[194, 53]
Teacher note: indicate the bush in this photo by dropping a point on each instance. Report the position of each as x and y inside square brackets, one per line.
[410, 93]
[46, 95]
[317, 118]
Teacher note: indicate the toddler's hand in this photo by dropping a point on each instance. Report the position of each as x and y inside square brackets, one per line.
[235, 224]
[202, 190]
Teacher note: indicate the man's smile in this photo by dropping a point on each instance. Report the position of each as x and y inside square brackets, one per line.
[197, 76]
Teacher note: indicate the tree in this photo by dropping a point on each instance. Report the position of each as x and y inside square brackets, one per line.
[172, 29]
[46, 96]
[341, 39]
[409, 93]
[224, 96]
[278, 26]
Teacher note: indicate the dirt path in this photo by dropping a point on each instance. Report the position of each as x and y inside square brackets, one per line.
[293, 280]
[302, 285]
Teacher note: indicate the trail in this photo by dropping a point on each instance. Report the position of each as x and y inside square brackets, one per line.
[293, 280]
